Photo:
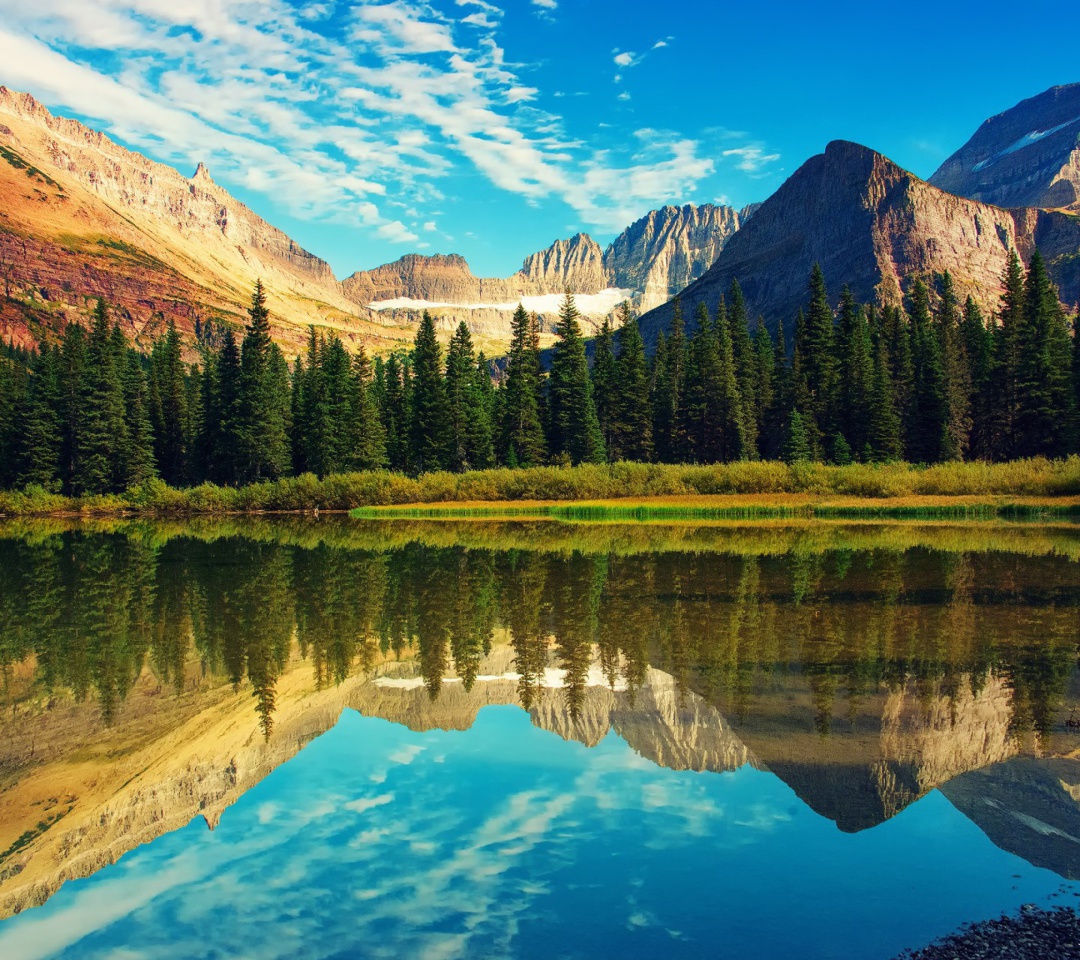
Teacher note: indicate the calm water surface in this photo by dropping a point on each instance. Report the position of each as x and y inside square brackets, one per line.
[338, 739]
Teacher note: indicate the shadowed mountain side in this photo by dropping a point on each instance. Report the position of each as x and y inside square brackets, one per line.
[1028, 156]
[1028, 806]
[888, 751]
[872, 225]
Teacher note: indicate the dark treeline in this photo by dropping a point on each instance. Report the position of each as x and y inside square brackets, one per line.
[96, 610]
[934, 381]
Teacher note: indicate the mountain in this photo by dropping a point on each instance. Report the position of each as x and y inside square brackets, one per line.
[668, 249]
[82, 217]
[873, 226]
[1028, 156]
[651, 261]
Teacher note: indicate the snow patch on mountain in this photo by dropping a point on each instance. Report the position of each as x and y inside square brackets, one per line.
[591, 304]
[1025, 141]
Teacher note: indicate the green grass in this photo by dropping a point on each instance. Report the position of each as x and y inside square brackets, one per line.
[32, 172]
[622, 491]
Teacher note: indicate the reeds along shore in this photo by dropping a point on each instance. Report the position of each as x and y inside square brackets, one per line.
[632, 490]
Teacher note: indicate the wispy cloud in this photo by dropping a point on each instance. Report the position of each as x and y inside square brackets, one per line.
[752, 158]
[344, 112]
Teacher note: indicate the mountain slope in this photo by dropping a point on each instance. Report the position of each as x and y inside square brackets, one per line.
[1028, 156]
[82, 217]
[872, 225]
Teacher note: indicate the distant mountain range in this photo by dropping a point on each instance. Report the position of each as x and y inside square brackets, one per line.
[82, 217]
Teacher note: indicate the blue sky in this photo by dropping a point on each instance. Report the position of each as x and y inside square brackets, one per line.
[368, 130]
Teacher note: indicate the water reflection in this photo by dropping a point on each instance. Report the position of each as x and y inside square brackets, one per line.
[863, 666]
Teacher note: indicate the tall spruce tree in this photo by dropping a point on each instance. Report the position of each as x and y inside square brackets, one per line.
[104, 428]
[1006, 359]
[978, 342]
[1044, 398]
[168, 407]
[138, 452]
[38, 444]
[428, 421]
[603, 380]
[632, 414]
[956, 374]
[264, 398]
[669, 386]
[468, 430]
[856, 375]
[365, 440]
[883, 433]
[817, 374]
[746, 370]
[574, 428]
[522, 424]
[929, 409]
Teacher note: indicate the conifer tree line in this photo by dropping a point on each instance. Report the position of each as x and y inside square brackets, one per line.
[932, 381]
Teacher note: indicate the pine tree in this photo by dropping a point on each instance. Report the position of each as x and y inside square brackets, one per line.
[746, 371]
[104, 428]
[632, 414]
[138, 452]
[603, 380]
[897, 333]
[1006, 358]
[1076, 379]
[956, 374]
[929, 411]
[523, 431]
[427, 433]
[393, 405]
[764, 388]
[223, 414]
[856, 374]
[669, 385]
[39, 445]
[1043, 392]
[883, 434]
[264, 398]
[815, 349]
[468, 430]
[366, 440]
[796, 447]
[575, 429]
[978, 343]
[168, 407]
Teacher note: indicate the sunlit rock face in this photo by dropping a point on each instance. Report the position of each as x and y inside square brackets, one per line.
[1028, 156]
[876, 228]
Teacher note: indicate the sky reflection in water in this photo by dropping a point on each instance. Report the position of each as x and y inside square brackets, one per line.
[506, 840]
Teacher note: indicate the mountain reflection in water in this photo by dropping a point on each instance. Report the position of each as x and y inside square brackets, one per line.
[152, 673]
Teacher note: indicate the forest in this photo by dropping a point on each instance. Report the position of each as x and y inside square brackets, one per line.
[933, 382]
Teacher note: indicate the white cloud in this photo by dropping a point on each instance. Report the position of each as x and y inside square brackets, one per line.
[751, 158]
[624, 59]
[340, 128]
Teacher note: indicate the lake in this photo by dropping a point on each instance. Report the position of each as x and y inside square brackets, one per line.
[331, 738]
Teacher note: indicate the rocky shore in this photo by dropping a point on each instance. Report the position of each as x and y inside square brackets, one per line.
[1033, 934]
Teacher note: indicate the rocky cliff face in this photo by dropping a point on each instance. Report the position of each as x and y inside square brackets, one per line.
[648, 263]
[668, 249]
[576, 264]
[1028, 156]
[873, 226]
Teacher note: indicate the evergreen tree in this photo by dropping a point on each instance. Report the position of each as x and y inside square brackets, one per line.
[427, 429]
[104, 428]
[468, 430]
[523, 432]
[223, 422]
[575, 430]
[1076, 379]
[603, 380]
[815, 388]
[956, 374]
[929, 411]
[669, 385]
[796, 447]
[366, 440]
[883, 434]
[264, 398]
[1004, 372]
[856, 374]
[746, 370]
[896, 331]
[978, 344]
[1044, 397]
[168, 407]
[764, 388]
[393, 404]
[138, 452]
[39, 445]
[632, 415]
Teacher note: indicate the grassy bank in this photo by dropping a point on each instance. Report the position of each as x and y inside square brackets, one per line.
[619, 491]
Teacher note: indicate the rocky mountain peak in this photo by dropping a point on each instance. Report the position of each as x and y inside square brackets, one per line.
[202, 174]
[874, 226]
[1028, 156]
[577, 264]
